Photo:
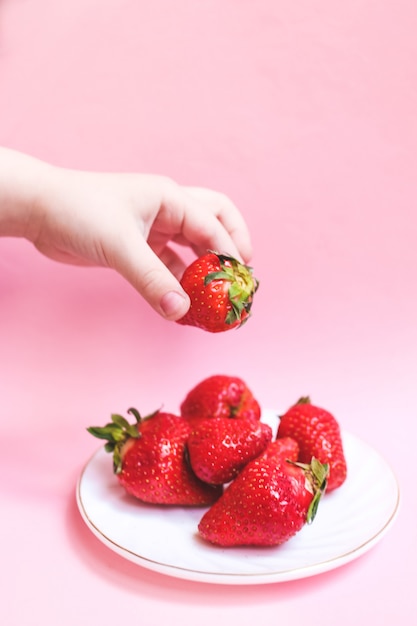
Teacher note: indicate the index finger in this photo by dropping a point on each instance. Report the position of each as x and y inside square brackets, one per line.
[230, 234]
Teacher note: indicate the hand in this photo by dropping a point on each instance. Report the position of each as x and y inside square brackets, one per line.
[126, 222]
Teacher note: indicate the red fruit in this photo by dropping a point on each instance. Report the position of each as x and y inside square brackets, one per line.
[284, 449]
[149, 459]
[266, 505]
[317, 432]
[219, 448]
[221, 396]
[221, 291]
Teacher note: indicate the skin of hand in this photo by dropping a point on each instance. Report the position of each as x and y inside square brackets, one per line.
[121, 221]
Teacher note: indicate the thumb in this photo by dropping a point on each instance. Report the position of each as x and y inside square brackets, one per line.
[145, 271]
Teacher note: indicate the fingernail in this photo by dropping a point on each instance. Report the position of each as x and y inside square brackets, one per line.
[174, 305]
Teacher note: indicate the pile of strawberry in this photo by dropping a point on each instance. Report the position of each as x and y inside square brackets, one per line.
[260, 488]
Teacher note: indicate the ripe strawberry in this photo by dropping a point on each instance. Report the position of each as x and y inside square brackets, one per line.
[149, 459]
[266, 505]
[220, 396]
[221, 291]
[283, 449]
[317, 432]
[219, 448]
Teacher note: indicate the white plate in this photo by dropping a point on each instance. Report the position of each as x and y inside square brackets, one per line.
[350, 521]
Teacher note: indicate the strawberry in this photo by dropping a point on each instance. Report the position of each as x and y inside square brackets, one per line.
[150, 462]
[267, 504]
[220, 396]
[219, 448]
[317, 432]
[221, 291]
[283, 449]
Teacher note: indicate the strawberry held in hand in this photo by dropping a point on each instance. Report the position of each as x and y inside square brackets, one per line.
[267, 504]
[219, 448]
[221, 291]
[317, 432]
[220, 396]
[149, 459]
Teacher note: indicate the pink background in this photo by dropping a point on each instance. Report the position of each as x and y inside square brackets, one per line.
[304, 113]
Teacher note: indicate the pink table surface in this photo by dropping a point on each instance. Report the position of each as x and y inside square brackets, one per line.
[305, 114]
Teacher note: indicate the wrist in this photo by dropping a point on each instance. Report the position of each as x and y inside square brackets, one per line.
[22, 188]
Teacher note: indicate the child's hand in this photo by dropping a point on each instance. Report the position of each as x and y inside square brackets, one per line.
[125, 222]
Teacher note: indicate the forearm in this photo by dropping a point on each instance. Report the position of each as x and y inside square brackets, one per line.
[21, 183]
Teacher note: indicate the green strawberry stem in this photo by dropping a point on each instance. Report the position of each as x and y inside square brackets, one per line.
[242, 285]
[303, 400]
[116, 433]
[317, 474]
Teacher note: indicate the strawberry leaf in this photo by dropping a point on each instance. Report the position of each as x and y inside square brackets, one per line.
[319, 474]
[217, 276]
[120, 421]
[316, 474]
[109, 432]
